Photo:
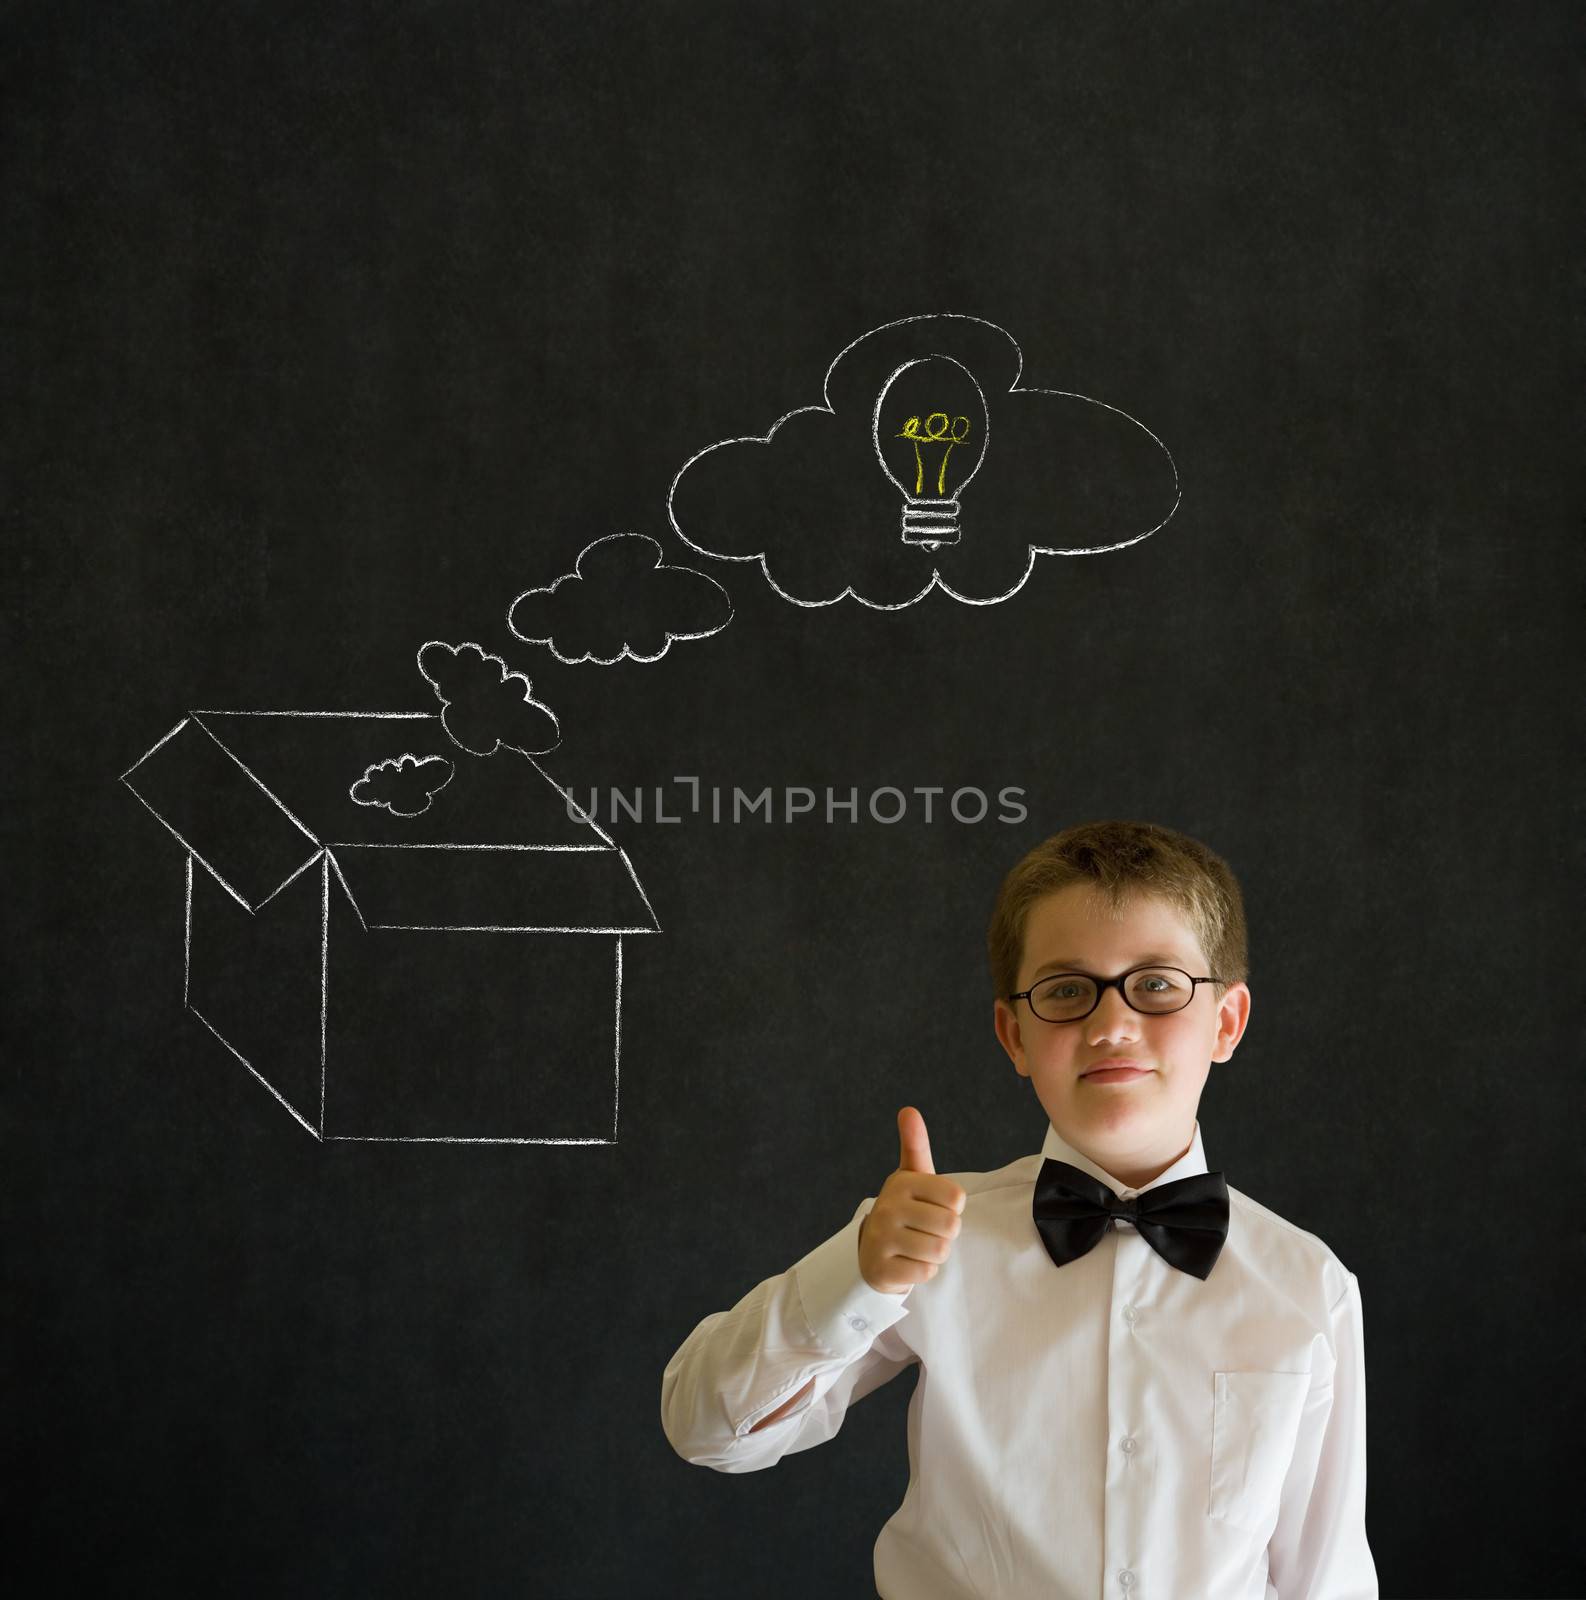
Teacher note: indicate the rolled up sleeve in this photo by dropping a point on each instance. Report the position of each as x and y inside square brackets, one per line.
[818, 1320]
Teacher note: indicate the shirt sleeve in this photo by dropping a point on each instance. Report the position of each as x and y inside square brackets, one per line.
[1319, 1550]
[819, 1320]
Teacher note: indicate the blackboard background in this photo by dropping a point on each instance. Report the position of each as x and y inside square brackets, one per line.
[331, 328]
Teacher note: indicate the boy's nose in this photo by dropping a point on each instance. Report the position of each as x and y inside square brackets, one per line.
[1113, 1012]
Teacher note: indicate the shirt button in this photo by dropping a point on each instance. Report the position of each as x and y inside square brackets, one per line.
[1126, 1578]
[1129, 1314]
[1129, 1446]
[858, 1323]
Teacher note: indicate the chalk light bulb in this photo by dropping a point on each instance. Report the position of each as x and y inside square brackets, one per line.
[929, 430]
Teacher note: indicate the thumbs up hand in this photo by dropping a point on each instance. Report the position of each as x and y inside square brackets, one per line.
[908, 1233]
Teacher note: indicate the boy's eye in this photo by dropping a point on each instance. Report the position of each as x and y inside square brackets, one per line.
[1153, 990]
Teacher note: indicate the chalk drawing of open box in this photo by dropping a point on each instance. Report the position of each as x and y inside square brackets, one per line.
[454, 975]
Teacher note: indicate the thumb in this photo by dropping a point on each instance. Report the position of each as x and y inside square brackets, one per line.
[915, 1152]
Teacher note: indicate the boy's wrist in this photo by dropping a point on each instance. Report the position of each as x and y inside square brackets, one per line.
[843, 1311]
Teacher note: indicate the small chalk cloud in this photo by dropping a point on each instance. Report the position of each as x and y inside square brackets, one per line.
[929, 465]
[621, 599]
[404, 785]
[485, 705]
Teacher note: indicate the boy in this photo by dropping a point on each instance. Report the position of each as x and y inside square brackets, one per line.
[1134, 1380]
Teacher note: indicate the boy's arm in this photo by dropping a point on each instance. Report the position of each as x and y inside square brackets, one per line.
[1318, 1550]
[778, 1371]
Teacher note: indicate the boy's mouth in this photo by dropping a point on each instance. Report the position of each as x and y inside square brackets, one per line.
[1116, 1069]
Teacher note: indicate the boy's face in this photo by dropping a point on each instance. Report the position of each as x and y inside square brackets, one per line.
[1129, 1126]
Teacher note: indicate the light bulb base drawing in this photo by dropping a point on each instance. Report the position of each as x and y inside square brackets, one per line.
[930, 522]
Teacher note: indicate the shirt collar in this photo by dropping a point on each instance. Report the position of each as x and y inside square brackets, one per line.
[1192, 1161]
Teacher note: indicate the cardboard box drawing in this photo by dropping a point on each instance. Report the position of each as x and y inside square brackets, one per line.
[450, 973]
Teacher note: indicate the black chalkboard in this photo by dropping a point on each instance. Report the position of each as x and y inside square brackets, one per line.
[517, 740]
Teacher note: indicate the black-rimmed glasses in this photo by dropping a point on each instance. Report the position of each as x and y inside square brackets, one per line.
[1072, 996]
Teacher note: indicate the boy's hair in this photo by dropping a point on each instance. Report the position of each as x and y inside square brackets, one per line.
[1121, 860]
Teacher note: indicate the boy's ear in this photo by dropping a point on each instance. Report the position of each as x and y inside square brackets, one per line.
[1233, 1017]
[1006, 1022]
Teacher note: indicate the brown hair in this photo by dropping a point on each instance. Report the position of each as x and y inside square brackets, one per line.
[1121, 860]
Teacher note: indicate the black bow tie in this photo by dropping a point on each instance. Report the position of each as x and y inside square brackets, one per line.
[1185, 1221]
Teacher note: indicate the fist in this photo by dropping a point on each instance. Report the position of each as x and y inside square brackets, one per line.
[908, 1233]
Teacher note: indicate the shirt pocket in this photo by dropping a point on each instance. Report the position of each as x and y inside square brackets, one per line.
[1255, 1422]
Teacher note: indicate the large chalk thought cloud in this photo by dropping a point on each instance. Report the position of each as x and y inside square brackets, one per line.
[928, 466]
[484, 706]
[620, 600]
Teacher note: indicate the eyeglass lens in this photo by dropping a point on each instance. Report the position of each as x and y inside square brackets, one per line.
[1154, 990]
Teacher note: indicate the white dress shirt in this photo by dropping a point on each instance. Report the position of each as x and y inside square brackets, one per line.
[1113, 1427]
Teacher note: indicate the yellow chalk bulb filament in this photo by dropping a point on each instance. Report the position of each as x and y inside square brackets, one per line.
[938, 428]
